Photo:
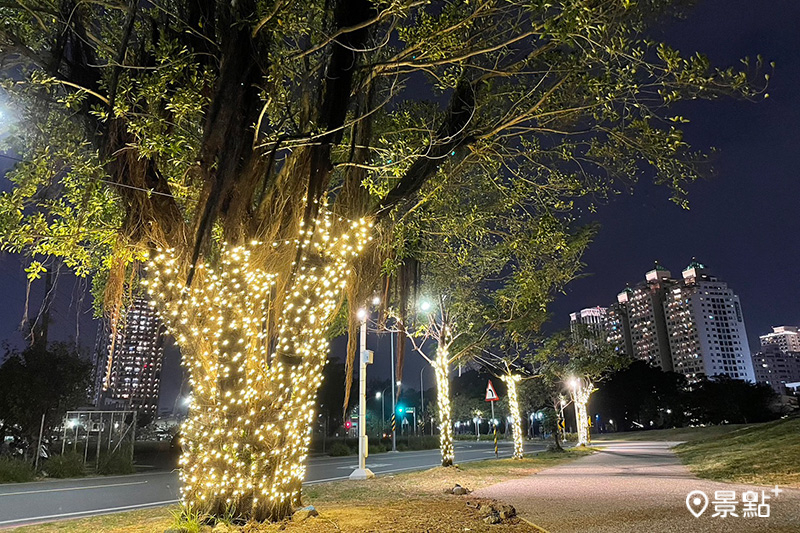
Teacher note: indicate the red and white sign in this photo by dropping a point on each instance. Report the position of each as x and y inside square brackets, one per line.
[491, 394]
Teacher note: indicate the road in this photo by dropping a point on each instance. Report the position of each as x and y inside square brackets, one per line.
[632, 487]
[30, 503]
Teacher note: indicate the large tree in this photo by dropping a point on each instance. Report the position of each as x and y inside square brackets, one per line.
[251, 149]
[42, 381]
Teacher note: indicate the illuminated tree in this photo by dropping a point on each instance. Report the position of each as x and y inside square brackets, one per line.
[573, 362]
[516, 418]
[260, 135]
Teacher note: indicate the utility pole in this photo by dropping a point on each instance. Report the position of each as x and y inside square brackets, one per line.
[422, 401]
[394, 399]
[365, 358]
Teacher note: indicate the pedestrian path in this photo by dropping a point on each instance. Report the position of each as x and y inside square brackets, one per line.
[639, 487]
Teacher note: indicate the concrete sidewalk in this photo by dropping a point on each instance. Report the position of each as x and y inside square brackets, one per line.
[634, 487]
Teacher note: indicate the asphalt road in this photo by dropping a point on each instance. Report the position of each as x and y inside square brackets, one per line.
[45, 501]
[634, 487]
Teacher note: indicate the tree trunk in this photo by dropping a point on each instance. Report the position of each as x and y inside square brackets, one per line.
[441, 366]
[557, 431]
[581, 399]
[253, 341]
[516, 421]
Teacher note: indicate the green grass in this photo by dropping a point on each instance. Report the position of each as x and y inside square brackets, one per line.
[674, 434]
[765, 454]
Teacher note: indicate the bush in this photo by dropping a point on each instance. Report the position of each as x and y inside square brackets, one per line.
[340, 449]
[15, 471]
[69, 464]
[425, 442]
[117, 464]
[376, 448]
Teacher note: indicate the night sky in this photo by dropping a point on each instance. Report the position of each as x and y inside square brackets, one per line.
[744, 224]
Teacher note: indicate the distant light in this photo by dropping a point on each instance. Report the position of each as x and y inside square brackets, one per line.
[187, 400]
[362, 314]
[376, 300]
[425, 305]
[378, 395]
[573, 383]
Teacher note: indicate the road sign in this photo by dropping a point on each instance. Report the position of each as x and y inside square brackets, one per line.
[491, 394]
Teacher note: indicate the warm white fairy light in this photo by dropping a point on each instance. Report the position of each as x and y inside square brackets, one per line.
[440, 365]
[513, 404]
[246, 439]
[581, 391]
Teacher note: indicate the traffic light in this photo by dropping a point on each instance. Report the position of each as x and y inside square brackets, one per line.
[401, 409]
[348, 424]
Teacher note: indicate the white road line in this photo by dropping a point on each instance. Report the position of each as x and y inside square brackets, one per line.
[422, 467]
[71, 489]
[89, 513]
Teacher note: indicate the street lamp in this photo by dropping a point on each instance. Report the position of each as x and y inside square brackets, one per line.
[365, 358]
[422, 401]
[382, 395]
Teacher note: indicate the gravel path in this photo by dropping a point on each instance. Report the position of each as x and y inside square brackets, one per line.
[636, 487]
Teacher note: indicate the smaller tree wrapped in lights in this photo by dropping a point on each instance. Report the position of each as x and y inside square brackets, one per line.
[573, 362]
[513, 405]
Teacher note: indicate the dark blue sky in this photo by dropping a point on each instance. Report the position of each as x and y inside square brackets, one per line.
[744, 223]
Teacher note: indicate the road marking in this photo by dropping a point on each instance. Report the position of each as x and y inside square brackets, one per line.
[419, 467]
[90, 513]
[353, 467]
[71, 488]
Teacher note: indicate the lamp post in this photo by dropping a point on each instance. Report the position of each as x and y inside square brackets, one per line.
[574, 385]
[365, 358]
[422, 401]
[394, 399]
[381, 395]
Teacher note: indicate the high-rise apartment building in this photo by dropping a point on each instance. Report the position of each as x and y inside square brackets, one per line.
[645, 307]
[129, 364]
[706, 327]
[786, 338]
[776, 367]
[693, 325]
[618, 325]
[593, 318]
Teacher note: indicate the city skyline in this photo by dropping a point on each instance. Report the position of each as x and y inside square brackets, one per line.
[736, 220]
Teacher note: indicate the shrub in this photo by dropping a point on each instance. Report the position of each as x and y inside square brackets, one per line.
[15, 471]
[340, 449]
[376, 448]
[425, 442]
[69, 464]
[118, 463]
[187, 520]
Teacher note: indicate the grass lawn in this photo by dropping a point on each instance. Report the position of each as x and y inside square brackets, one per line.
[412, 501]
[764, 454]
[675, 434]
